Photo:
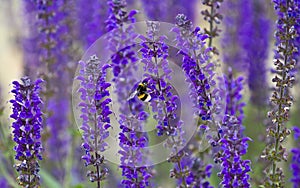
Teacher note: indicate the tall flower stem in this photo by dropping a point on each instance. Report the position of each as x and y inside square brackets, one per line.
[175, 159]
[95, 116]
[212, 16]
[284, 61]
[164, 101]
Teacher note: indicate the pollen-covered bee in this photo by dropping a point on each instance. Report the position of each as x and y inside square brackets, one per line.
[141, 92]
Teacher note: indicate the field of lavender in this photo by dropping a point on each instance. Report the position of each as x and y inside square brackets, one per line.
[149, 93]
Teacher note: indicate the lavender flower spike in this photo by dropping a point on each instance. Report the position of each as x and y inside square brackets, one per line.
[284, 62]
[91, 20]
[234, 105]
[133, 142]
[95, 115]
[295, 166]
[164, 100]
[233, 145]
[160, 10]
[258, 48]
[27, 129]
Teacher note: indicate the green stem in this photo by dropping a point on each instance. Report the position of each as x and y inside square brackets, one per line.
[279, 119]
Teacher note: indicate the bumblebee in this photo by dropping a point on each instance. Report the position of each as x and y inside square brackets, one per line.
[141, 92]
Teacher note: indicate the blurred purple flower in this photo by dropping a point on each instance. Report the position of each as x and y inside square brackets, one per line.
[95, 115]
[245, 44]
[295, 165]
[257, 53]
[29, 42]
[237, 33]
[54, 61]
[3, 183]
[166, 10]
[27, 129]
[91, 15]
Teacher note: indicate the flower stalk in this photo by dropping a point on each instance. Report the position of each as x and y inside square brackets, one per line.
[27, 128]
[95, 113]
[285, 62]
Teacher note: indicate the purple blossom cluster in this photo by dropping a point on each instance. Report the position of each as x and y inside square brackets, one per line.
[234, 145]
[133, 159]
[27, 127]
[233, 88]
[95, 115]
[191, 40]
[200, 73]
[118, 16]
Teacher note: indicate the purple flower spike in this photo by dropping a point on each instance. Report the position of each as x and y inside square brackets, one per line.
[233, 146]
[166, 10]
[245, 43]
[133, 142]
[285, 60]
[95, 113]
[199, 70]
[234, 106]
[54, 41]
[91, 16]
[258, 51]
[118, 16]
[164, 102]
[200, 74]
[27, 127]
[295, 165]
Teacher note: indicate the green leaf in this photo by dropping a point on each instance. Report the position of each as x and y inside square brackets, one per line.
[78, 186]
[48, 180]
[1, 111]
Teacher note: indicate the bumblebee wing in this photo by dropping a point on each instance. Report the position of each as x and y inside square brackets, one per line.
[132, 95]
